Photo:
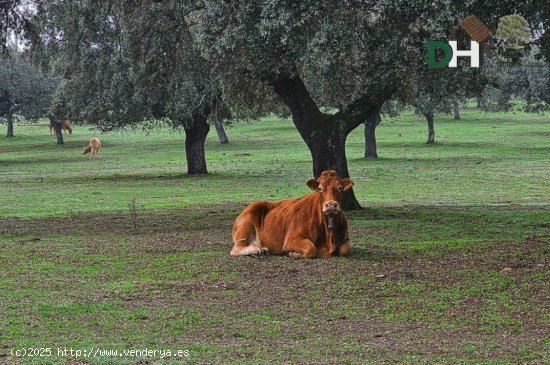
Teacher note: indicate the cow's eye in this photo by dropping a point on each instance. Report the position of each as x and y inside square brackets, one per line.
[340, 188]
[319, 189]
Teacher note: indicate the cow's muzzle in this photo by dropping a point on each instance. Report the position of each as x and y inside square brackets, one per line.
[331, 207]
[330, 210]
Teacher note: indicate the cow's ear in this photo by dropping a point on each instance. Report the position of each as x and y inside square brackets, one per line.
[313, 184]
[347, 183]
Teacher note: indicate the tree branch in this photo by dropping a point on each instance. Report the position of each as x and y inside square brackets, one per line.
[295, 95]
[363, 109]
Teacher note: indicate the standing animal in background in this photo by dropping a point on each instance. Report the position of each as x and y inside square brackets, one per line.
[93, 147]
[64, 126]
[311, 226]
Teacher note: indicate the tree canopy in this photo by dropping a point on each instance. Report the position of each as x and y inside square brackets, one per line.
[129, 64]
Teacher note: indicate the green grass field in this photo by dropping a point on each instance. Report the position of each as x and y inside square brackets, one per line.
[449, 259]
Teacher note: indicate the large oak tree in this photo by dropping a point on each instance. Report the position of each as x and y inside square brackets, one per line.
[360, 52]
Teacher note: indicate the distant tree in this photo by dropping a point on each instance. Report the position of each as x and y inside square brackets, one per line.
[527, 80]
[456, 109]
[537, 94]
[221, 113]
[428, 105]
[6, 107]
[497, 95]
[390, 108]
[370, 135]
[220, 130]
[442, 90]
[24, 90]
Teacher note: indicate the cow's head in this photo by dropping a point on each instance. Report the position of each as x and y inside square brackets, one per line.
[330, 186]
[87, 149]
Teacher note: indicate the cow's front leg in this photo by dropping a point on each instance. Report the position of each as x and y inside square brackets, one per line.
[300, 248]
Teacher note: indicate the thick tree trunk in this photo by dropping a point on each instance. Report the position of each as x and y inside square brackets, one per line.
[221, 132]
[431, 131]
[325, 135]
[58, 132]
[370, 136]
[9, 117]
[195, 137]
[57, 126]
[328, 152]
[456, 110]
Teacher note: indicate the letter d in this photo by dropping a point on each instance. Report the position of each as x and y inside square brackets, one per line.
[447, 51]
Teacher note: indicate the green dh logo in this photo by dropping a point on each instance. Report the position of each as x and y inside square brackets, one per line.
[451, 53]
[475, 29]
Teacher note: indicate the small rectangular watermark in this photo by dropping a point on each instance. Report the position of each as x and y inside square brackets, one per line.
[69, 352]
[512, 64]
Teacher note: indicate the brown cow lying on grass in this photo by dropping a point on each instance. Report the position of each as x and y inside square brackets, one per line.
[307, 227]
[64, 126]
[93, 146]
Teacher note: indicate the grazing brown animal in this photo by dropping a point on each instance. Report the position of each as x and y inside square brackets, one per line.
[64, 126]
[307, 227]
[93, 147]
